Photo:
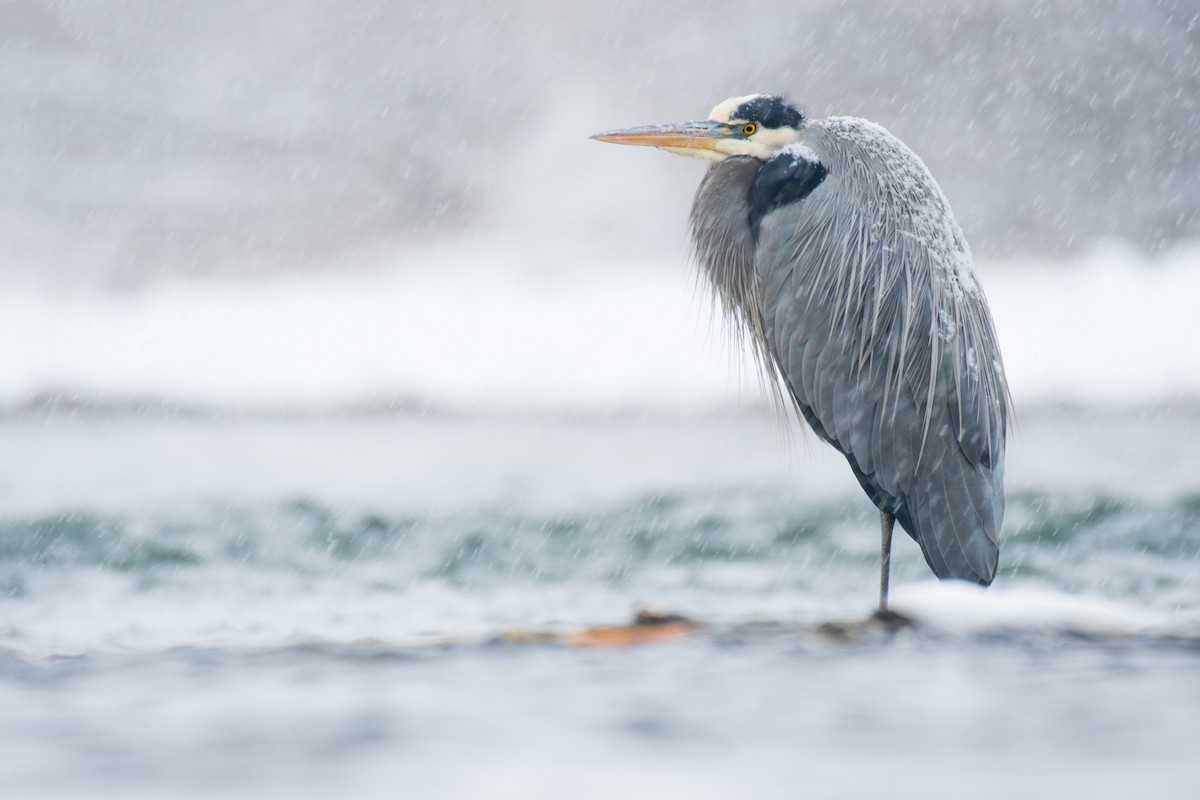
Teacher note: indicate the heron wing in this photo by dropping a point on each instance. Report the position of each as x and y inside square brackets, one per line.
[889, 363]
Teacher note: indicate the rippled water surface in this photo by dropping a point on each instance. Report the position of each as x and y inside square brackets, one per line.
[386, 606]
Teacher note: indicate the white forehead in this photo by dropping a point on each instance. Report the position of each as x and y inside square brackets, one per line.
[723, 111]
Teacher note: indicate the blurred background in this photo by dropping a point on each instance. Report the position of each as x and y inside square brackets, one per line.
[396, 204]
[331, 349]
[144, 140]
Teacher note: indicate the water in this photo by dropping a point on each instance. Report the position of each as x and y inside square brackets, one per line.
[374, 605]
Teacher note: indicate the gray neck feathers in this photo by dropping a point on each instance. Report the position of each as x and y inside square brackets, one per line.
[723, 246]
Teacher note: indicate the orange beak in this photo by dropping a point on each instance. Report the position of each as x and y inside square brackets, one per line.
[696, 135]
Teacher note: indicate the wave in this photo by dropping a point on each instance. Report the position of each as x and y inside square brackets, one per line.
[1081, 543]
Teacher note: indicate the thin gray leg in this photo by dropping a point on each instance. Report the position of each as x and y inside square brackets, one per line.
[886, 522]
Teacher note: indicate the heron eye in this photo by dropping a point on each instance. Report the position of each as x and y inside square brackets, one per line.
[749, 128]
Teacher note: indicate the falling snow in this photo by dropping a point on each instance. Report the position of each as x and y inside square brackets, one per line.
[341, 374]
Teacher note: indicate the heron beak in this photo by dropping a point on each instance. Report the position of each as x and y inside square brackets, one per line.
[701, 134]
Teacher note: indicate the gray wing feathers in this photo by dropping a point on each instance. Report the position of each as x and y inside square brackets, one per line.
[887, 349]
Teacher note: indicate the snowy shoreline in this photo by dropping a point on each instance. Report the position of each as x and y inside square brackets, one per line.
[483, 332]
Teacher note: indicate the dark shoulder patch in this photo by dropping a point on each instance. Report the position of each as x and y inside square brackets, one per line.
[770, 111]
[783, 180]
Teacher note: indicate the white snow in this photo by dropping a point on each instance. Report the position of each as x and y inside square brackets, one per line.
[965, 608]
[932, 223]
[485, 330]
[802, 151]
[1109, 328]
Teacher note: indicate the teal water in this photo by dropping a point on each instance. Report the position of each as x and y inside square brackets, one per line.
[326, 606]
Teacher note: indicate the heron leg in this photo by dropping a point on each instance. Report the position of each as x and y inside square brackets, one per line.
[887, 521]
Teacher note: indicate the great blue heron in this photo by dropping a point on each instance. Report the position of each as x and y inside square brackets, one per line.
[832, 247]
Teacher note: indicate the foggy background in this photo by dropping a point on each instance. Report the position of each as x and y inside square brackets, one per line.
[390, 205]
[142, 139]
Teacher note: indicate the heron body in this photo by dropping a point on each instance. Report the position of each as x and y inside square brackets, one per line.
[834, 250]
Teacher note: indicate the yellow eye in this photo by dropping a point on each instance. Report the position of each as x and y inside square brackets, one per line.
[749, 128]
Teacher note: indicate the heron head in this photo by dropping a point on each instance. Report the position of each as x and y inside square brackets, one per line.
[756, 125]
